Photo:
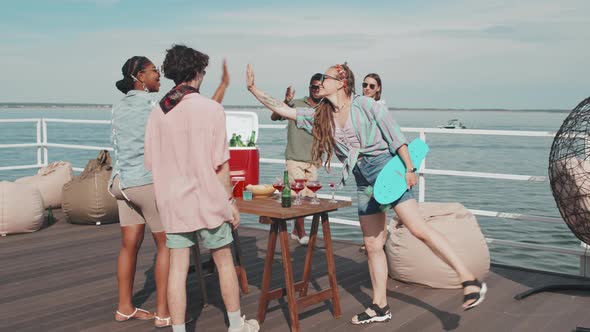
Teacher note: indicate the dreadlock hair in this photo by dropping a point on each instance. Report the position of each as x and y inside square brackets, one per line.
[182, 63]
[378, 79]
[130, 70]
[323, 120]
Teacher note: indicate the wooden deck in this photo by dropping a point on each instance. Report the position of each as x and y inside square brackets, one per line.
[62, 278]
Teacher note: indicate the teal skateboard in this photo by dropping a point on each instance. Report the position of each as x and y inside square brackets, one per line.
[391, 181]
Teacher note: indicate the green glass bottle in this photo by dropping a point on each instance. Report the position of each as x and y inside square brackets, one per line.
[252, 137]
[232, 141]
[239, 142]
[286, 193]
[49, 216]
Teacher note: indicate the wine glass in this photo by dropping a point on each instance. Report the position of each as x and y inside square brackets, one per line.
[297, 187]
[237, 183]
[278, 185]
[314, 186]
[333, 187]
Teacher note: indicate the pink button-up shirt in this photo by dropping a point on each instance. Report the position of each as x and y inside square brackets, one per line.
[183, 149]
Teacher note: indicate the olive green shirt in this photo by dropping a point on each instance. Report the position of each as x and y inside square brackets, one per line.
[299, 141]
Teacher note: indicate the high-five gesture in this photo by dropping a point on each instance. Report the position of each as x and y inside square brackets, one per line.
[220, 92]
[225, 75]
[289, 95]
[271, 103]
[249, 77]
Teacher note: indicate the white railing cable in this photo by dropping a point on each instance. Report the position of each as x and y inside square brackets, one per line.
[81, 147]
[108, 122]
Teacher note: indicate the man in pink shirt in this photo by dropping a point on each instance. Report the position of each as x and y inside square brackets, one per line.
[186, 149]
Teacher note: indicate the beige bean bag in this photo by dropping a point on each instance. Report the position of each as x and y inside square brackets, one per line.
[21, 208]
[86, 200]
[411, 261]
[50, 180]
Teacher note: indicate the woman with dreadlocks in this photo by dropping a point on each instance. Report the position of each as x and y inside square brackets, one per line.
[133, 187]
[364, 137]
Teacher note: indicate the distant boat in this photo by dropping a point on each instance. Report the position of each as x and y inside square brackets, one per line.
[453, 124]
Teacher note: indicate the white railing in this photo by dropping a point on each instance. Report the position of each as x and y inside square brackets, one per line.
[42, 146]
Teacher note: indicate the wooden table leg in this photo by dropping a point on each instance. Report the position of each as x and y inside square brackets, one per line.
[264, 288]
[288, 269]
[199, 270]
[242, 276]
[308, 257]
[331, 266]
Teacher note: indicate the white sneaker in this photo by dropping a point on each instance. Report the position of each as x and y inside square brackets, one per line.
[302, 241]
[250, 325]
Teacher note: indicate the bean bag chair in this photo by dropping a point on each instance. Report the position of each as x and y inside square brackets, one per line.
[86, 200]
[410, 260]
[50, 180]
[21, 208]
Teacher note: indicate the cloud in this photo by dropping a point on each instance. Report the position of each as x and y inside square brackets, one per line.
[440, 51]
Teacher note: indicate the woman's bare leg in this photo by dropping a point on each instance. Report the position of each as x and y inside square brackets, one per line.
[438, 243]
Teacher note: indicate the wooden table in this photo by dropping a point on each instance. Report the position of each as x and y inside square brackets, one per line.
[271, 212]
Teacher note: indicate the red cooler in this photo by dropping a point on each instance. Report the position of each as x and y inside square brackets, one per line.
[243, 161]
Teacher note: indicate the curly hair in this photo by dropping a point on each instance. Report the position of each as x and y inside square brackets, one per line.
[130, 70]
[378, 79]
[323, 122]
[182, 63]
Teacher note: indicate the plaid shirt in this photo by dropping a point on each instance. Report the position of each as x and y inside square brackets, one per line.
[375, 128]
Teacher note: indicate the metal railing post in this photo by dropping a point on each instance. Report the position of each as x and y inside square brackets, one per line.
[45, 153]
[421, 178]
[39, 161]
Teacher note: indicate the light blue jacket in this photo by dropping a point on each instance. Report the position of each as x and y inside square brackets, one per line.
[129, 119]
[375, 129]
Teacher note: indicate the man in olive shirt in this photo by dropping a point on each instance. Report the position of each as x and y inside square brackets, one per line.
[298, 151]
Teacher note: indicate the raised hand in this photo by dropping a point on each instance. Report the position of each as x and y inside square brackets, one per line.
[249, 77]
[289, 95]
[225, 75]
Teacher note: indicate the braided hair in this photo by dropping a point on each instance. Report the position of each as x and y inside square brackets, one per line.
[130, 70]
[323, 124]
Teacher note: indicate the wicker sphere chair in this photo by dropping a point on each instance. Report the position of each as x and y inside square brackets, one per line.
[569, 176]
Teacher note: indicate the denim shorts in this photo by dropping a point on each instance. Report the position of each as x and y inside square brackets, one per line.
[365, 173]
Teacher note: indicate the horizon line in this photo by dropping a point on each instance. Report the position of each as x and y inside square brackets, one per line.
[101, 105]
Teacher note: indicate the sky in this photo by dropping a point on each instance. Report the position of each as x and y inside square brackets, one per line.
[525, 54]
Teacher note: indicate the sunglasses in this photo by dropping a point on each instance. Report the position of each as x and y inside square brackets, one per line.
[371, 86]
[325, 77]
[314, 87]
[156, 69]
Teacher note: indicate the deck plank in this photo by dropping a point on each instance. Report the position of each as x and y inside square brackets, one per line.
[63, 278]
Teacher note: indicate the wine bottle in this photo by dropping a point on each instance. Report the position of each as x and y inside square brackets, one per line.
[286, 193]
[232, 141]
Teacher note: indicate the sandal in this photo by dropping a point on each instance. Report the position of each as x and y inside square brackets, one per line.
[477, 296]
[162, 321]
[381, 315]
[133, 315]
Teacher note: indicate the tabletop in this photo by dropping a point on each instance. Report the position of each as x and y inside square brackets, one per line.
[270, 207]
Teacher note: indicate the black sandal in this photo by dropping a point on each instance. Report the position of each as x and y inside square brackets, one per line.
[382, 315]
[477, 296]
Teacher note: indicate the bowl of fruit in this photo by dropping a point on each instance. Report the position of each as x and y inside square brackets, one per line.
[261, 190]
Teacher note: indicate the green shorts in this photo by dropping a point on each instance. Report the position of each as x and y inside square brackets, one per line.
[209, 238]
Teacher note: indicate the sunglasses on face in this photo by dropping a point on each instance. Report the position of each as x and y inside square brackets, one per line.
[314, 87]
[155, 69]
[325, 77]
[371, 86]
